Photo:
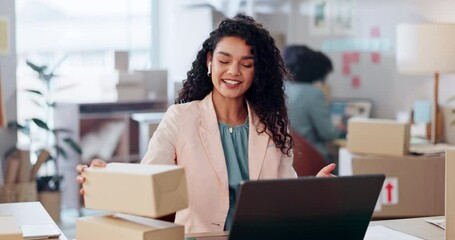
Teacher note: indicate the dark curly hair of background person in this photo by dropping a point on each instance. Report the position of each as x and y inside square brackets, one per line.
[266, 94]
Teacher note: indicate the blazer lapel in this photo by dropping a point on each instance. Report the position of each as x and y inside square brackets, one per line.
[257, 145]
[210, 137]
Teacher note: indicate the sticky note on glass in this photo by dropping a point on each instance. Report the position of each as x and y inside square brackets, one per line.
[422, 111]
[4, 35]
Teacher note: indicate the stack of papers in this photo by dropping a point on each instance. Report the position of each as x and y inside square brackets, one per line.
[438, 222]
[430, 149]
[383, 233]
[44, 231]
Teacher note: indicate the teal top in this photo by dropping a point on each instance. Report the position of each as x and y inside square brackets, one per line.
[235, 146]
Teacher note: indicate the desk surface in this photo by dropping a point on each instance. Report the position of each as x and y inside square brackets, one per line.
[414, 226]
[417, 227]
[29, 213]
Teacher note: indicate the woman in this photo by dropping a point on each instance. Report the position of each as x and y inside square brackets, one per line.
[229, 124]
[308, 109]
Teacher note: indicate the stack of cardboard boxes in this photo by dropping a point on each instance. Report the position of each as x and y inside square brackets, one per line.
[137, 194]
[414, 185]
[450, 194]
[139, 85]
[9, 229]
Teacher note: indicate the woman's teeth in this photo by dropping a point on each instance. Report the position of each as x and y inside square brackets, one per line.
[231, 82]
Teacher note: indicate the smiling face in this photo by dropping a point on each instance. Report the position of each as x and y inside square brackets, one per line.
[232, 68]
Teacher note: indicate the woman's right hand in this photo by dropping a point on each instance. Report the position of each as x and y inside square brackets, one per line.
[80, 168]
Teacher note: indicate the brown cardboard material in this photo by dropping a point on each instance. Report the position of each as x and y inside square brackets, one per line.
[12, 169]
[419, 184]
[51, 201]
[378, 136]
[121, 60]
[25, 166]
[9, 230]
[121, 226]
[450, 194]
[144, 190]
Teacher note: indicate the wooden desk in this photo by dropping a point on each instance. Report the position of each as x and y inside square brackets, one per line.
[29, 213]
[414, 226]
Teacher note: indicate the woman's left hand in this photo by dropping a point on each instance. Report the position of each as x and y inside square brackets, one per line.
[327, 171]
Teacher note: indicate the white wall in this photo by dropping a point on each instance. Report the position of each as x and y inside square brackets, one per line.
[390, 91]
[182, 30]
[8, 76]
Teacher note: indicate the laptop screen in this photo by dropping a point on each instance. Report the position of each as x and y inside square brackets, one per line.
[306, 208]
[341, 109]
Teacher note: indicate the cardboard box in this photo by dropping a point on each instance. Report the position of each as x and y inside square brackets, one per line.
[450, 194]
[121, 226]
[144, 190]
[9, 230]
[414, 185]
[51, 201]
[121, 60]
[378, 136]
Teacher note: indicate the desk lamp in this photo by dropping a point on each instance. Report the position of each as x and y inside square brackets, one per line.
[427, 49]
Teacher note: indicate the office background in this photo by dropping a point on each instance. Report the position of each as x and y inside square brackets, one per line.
[363, 49]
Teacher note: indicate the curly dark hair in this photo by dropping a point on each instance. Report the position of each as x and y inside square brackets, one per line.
[307, 65]
[266, 94]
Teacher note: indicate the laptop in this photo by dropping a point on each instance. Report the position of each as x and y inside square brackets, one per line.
[341, 109]
[304, 208]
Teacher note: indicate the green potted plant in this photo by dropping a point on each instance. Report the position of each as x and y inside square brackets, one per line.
[55, 141]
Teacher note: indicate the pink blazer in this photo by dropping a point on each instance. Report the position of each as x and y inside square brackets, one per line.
[188, 136]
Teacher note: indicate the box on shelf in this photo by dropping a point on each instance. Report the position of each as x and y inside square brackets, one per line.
[122, 226]
[144, 190]
[121, 60]
[51, 201]
[414, 185]
[9, 230]
[18, 192]
[378, 136]
[450, 194]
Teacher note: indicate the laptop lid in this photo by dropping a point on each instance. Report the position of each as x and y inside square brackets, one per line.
[306, 208]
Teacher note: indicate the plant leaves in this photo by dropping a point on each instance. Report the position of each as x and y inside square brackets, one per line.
[37, 103]
[34, 91]
[48, 77]
[40, 123]
[38, 69]
[62, 130]
[73, 145]
[61, 152]
[66, 87]
[14, 125]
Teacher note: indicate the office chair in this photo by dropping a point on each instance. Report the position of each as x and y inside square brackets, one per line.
[307, 159]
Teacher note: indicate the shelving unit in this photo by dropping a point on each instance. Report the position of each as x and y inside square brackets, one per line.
[84, 118]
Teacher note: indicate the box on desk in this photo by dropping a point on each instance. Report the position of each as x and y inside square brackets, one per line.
[414, 185]
[450, 194]
[378, 136]
[144, 190]
[121, 226]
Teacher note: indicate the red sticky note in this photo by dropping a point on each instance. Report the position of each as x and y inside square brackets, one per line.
[355, 82]
[375, 57]
[346, 69]
[346, 59]
[375, 32]
[355, 57]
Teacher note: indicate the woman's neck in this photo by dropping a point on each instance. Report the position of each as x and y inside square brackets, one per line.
[231, 111]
